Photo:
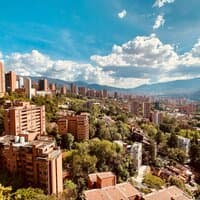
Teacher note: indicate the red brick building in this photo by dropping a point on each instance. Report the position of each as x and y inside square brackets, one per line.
[38, 161]
[22, 117]
[77, 125]
[100, 180]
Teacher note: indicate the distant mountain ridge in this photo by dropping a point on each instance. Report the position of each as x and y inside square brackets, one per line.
[188, 86]
[178, 87]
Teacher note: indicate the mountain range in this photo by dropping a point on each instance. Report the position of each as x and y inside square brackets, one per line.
[184, 88]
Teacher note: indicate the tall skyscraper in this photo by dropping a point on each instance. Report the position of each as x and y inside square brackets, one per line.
[134, 107]
[27, 87]
[43, 85]
[146, 109]
[2, 78]
[11, 81]
[82, 91]
[74, 88]
[20, 82]
[52, 86]
[105, 93]
[63, 90]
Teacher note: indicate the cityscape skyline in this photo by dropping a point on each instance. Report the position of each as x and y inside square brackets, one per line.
[123, 44]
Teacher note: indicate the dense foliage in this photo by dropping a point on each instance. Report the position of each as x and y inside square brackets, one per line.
[98, 156]
[153, 181]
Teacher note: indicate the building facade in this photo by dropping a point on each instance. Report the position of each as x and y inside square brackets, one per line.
[27, 87]
[136, 154]
[156, 117]
[43, 85]
[11, 81]
[184, 144]
[146, 109]
[77, 125]
[2, 79]
[23, 118]
[39, 161]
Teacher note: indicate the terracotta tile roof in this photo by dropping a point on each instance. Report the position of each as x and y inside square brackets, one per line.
[105, 175]
[114, 193]
[121, 191]
[93, 177]
[127, 189]
[96, 194]
[101, 175]
[168, 194]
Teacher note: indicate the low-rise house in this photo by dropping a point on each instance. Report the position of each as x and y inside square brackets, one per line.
[100, 180]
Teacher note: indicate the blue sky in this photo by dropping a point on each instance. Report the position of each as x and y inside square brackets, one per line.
[87, 40]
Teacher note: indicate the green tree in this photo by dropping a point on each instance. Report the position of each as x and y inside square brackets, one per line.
[150, 130]
[177, 182]
[70, 190]
[177, 154]
[30, 194]
[67, 141]
[195, 155]
[153, 181]
[5, 192]
[82, 165]
[159, 137]
[173, 140]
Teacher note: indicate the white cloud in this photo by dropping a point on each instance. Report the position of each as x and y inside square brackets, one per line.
[191, 58]
[122, 14]
[145, 59]
[161, 3]
[38, 64]
[160, 21]
[143, 51]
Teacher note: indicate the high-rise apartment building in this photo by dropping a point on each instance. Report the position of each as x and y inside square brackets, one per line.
[38, 161]
[52, 86]
[184, 144]
[43, 85]
[23, 118]
[77, 125]
[20, 82]
[11, 81]
[63, 90]
[2, 79]
[156, 117]
[99, 93]
[105, 93]
[82, 91]
[136, 154]
[146, 109]
[116, 95]
[28, 87]
[91, 93]
[134, 107]
[74, 88]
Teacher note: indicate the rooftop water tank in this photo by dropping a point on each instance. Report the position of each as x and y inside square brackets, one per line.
[22, 140]
[16, 139]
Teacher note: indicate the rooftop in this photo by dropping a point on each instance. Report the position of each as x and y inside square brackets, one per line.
[101, 175]
[168, 194]
[123, 191]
